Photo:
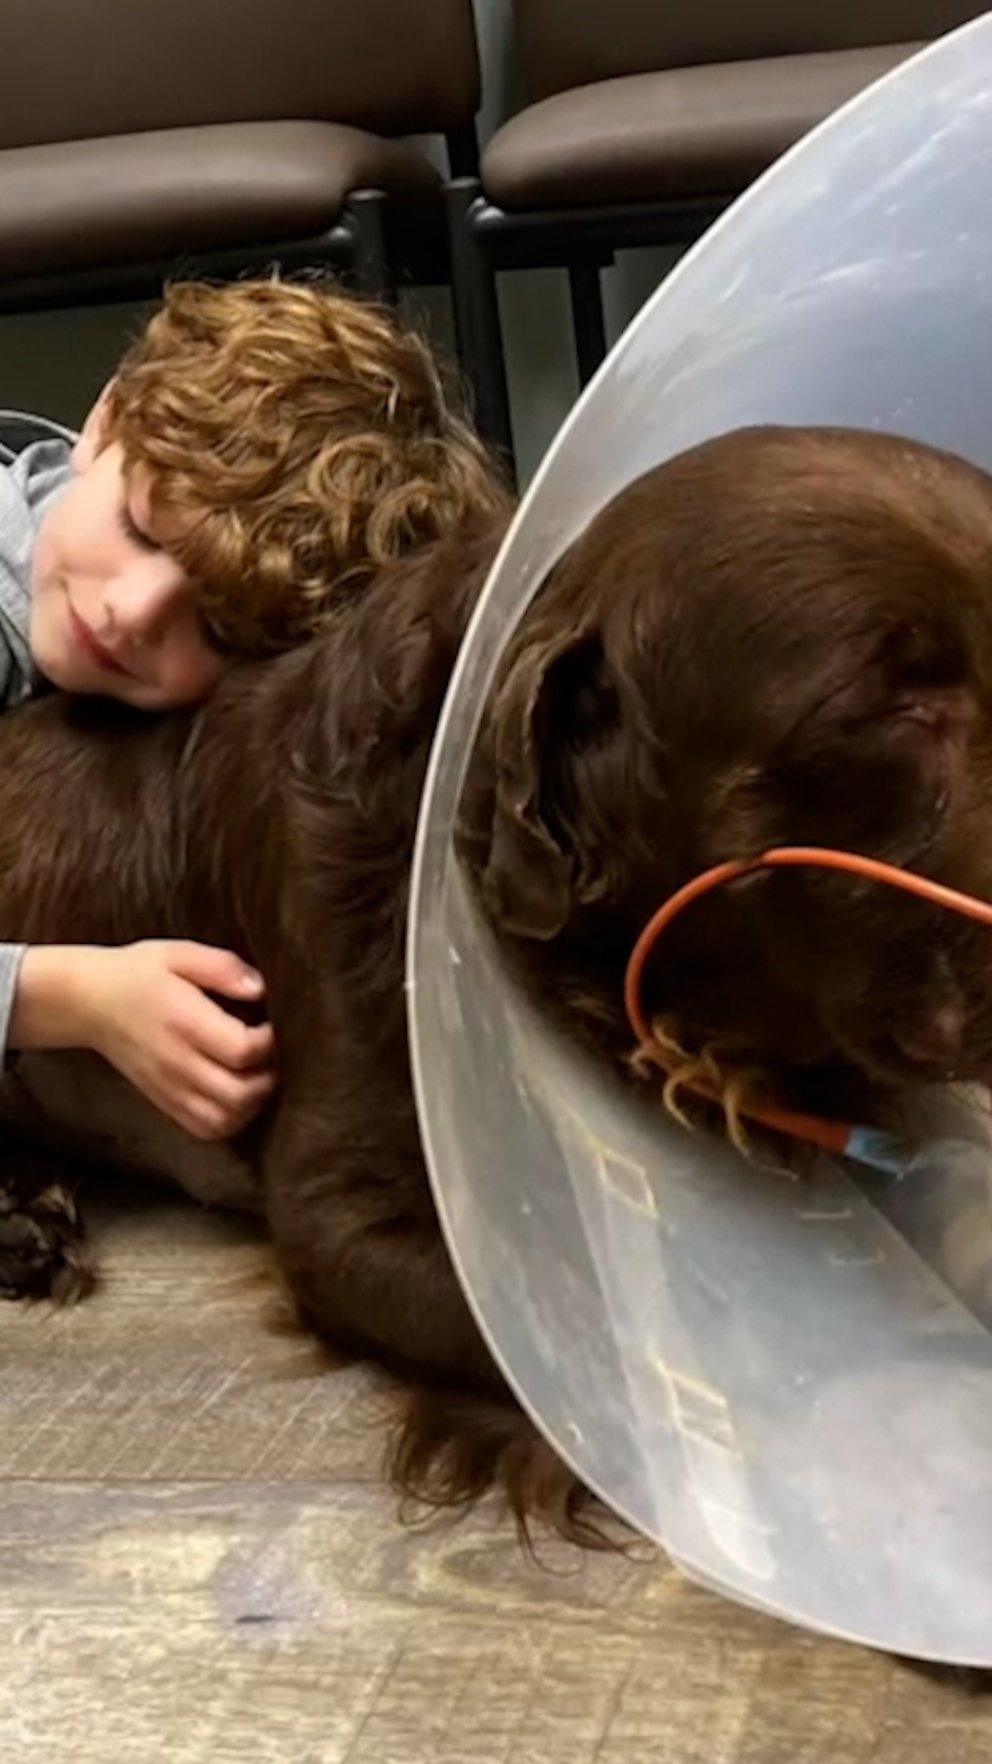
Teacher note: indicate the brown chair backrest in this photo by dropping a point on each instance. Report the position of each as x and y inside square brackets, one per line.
[71, 69]
[566, 43]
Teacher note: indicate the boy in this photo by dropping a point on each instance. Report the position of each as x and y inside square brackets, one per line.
[261, 451]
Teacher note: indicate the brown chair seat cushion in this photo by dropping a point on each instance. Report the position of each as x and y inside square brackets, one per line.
[136, 198]
[688, 131]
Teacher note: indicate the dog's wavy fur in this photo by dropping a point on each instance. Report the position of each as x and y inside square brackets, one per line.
[785, 636]
[278, 821]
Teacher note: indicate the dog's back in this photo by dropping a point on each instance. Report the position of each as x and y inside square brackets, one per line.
[280, 819]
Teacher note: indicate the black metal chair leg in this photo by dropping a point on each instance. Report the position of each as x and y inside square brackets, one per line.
[371, 267]
[588, 321]
[477, 327]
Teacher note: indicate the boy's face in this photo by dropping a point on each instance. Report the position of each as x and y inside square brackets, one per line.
[112, 612]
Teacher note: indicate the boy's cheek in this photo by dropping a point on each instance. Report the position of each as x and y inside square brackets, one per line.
[42, 562]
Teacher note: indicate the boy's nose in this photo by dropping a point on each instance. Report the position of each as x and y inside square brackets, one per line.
[140, 604]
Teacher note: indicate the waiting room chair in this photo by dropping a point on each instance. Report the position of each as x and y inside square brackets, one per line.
[142, 138]
[644, 121]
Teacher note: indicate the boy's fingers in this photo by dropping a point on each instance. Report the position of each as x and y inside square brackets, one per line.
[259, 1047]
[229, 1090]
[206, 1120]
[217, 970]
[225, 1103]
[225, 1040]
[243, 1050]
[247, 1094]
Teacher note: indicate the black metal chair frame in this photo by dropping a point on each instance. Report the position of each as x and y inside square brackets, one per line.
[485, 239]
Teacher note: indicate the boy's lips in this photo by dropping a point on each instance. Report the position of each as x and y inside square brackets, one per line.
[92, 647]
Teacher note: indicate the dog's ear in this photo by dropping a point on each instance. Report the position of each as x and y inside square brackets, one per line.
[555, 698]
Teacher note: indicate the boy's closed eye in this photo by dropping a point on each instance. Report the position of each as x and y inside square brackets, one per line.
[136, 534]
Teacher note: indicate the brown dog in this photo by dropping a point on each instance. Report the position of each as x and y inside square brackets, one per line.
[785, 636]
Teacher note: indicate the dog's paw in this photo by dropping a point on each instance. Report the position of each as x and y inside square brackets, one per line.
[43, 1249]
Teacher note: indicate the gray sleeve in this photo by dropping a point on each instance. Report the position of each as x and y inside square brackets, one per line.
[11, 956]
[28, 487]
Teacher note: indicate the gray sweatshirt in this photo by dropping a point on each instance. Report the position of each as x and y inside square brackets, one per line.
[35, 467]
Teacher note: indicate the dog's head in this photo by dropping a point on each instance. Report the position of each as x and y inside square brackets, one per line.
[782, 637]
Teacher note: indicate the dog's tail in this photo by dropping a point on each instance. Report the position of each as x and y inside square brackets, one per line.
[452, 1447]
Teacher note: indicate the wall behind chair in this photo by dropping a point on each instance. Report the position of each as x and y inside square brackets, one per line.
[55, 363]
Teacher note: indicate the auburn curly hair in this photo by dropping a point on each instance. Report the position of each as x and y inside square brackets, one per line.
[306, 438]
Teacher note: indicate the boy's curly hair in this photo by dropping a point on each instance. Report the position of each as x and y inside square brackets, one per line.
[310, 438]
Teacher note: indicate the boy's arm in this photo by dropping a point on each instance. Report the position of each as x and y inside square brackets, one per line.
[44, 996]
[28, 485]
[146, 1007]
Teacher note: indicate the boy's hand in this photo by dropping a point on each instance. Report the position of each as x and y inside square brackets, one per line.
[194, 1060]
[143, 1006]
